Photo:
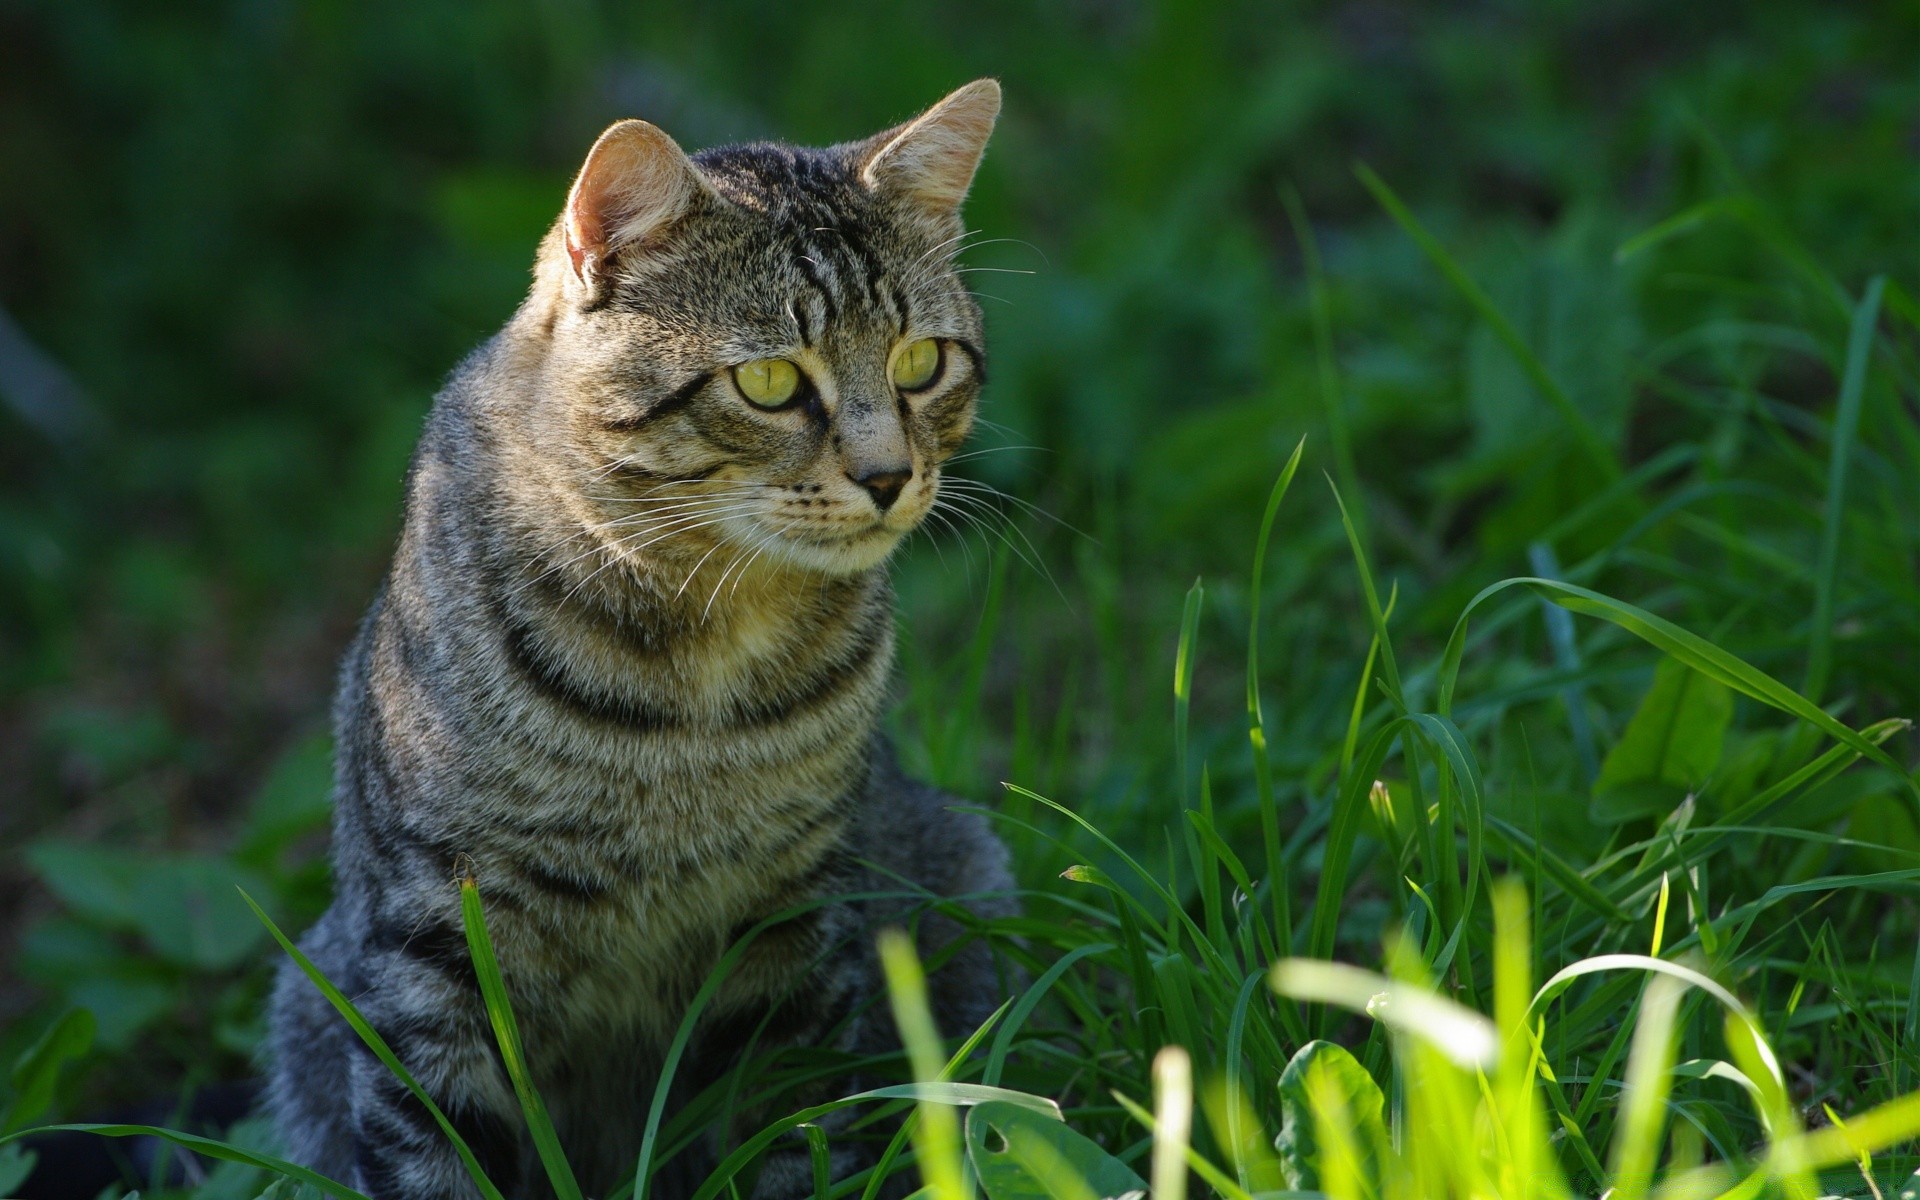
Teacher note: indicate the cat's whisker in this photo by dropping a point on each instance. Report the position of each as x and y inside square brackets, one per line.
[648, 497]
[1037, 559]
[621, 551]
[1034, 559]
[962, 523]
[1006, 430]
[681, 523]
[683, 526]
[745, 556]
[1008, 241]
[978, 485]
[984, 451]
[938, 246]
[674, 504]
[712, 503]
[696, 568]
[762, 547]
[934, 513]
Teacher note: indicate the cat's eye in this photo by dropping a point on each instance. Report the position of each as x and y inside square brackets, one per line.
[917, 364]
[767, 382]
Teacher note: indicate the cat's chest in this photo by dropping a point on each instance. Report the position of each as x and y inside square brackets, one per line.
[636, 957]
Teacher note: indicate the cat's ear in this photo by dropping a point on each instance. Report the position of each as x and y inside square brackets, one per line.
[931, 159]
[636, 181]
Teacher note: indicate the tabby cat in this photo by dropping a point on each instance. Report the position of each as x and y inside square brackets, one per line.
[628, 662]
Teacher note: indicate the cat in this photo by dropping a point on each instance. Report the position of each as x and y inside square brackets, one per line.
[628, 663]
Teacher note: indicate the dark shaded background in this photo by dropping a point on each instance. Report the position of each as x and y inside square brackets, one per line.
[241, 243]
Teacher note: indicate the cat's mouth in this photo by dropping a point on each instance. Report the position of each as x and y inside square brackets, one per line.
[838, 552]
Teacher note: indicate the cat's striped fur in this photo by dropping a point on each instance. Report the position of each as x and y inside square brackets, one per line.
[628, 664]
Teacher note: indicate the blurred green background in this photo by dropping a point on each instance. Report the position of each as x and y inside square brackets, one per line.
[241, 243]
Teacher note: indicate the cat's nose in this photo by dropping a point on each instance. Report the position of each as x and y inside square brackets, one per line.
[884, 486]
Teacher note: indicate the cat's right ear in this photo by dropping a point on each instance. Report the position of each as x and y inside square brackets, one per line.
[635, 183]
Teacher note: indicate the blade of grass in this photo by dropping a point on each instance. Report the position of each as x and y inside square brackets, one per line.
[1566, 654]
[1374, 611]
[1636, 1146]
[1183, 664]
[1846, 427]
[1461, 1034]
[1590, 440]
[506, 1031]
[937, 1143]
[676, 1049]
[1029, 1000]
[1689, 648]
[1279, 886]
[960, 1094]
[882, 1168]
[1214, 1176]
[208, 1147]
[1173, 1122]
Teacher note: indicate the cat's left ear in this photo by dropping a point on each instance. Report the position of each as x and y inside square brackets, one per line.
[931, 159]
[636, 183]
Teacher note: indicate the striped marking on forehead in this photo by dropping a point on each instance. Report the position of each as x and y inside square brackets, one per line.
[847, 279]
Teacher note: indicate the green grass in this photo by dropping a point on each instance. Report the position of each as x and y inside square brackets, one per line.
[1490, 563]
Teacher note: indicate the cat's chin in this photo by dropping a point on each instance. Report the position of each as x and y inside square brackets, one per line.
[854, 555]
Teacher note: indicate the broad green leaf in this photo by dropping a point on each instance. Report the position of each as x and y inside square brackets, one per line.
[38, 1070]
[1882, 820]
[183, 905]
[1668, 749]
[295, 798]
[1020, 1154]
[935, 1093]
[124, 1005]
[1299, 1150]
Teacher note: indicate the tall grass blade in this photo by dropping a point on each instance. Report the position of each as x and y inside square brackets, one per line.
[1374, 612]
[937, 1143]
[208, 1147]
[1846, 428]
[1214, 1177]
[1173, 1122]
[683, 1036]
[1644, 1099]
[1029, 1000]
[1278, 884]
[506, 1031]
[961, 1094]
[1183, 664]
[1589, 438]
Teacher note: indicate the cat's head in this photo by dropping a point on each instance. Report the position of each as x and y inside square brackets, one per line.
[764, 349]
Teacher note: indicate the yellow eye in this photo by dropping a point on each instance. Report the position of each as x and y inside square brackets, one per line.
[768, 382]
[917, 364]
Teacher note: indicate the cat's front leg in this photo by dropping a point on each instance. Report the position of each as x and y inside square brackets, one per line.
[812, 981]
[399, 1150]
